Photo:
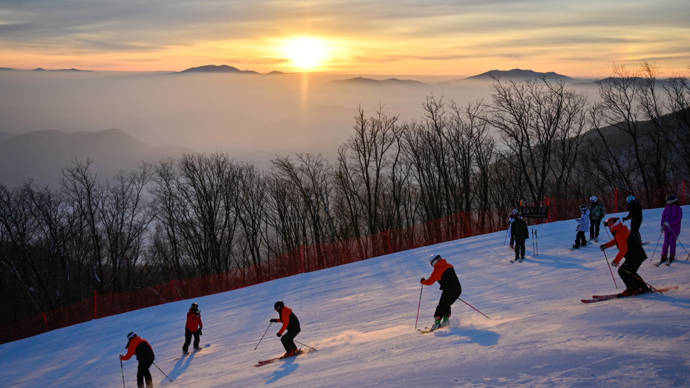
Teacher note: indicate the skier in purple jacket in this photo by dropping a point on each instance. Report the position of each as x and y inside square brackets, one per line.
[670, 225]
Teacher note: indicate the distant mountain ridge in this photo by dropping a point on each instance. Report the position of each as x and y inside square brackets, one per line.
[387, 81]
[519, 75]
[217, 69]
[41, 155]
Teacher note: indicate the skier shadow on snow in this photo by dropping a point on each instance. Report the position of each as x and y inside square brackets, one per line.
[469, 335]
[181, 366]
[558, 262]
[286, 368]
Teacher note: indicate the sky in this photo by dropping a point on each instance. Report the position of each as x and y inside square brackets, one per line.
[415, 37]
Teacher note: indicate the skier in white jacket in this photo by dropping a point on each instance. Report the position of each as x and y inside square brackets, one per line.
[582, 227]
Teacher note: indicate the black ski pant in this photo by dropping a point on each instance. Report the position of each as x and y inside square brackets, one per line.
[448, 297]
[635, 228]
[580, 239]
[288, 339]
[628, 272]
[594, 228]
[144, 374]
[519, 249]
[188, 338]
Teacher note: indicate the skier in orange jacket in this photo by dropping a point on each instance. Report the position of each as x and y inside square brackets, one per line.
[444, 273]
[144, 352]
[630, 247]
[291, 324]
[193, 327]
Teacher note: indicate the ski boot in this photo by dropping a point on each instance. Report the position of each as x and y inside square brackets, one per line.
[671, 258]
[444, 321]
[437, 323]
[575, 246]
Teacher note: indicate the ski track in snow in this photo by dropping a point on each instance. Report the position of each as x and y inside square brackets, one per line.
[361, 318]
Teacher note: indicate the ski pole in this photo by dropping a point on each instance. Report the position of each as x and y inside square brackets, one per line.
[123, 374]
[419, 305]
[162, 372]
[303, 344]
[677, 239]
[656, 246]
[262, 337]
[474, 308]
[610, 270]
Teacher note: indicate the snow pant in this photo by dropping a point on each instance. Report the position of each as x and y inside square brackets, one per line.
[288, 339]
[519, 249]
[594, 228]
[144, 374]
[580, 239]
[635, 228]
[670, 236]
[628, 272]
[188, 338]
[448, 297]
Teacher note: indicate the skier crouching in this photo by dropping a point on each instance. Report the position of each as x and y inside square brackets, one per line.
[144, 352]
[444, 273]
[630, 247]
[291, 324]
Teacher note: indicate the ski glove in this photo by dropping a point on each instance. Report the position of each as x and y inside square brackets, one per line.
[278, 334]
[666, 224]
[199, 331]
[273, 320]
[614, 263]
[421, 280]
[602, 247]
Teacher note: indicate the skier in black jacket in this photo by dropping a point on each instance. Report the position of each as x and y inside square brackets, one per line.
[634, 215]
[519, 233]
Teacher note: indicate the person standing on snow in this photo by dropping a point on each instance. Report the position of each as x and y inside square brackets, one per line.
[670, 225]
[144, 352]
[193, 327]
[596, 214]
[291, 324]
[519, 233]
[444, 273]
[582, 227]
[634, 215]
[630, 247]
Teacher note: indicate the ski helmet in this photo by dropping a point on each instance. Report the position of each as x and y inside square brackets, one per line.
[613, 221]
[583, 207]
[195, 306]
[593, 198]
[630, 198]
[671, 198]
[131, 335]
[433, 259]
[278, 305]
[514, 212]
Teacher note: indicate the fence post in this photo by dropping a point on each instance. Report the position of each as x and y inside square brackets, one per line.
[95, 304]
[301, 258]
[615, 199]
[388, 241]
[45, 320]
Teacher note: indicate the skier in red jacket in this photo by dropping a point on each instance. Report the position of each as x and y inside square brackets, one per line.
[630, 247]
[444, 273]
[193, 327]
[144, 351]
[291, 324]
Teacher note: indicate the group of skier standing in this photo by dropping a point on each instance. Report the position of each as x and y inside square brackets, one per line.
[628, 241]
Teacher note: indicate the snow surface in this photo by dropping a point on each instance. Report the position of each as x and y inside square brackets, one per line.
[361, 318]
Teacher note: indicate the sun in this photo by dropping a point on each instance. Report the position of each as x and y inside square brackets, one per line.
[306, 53]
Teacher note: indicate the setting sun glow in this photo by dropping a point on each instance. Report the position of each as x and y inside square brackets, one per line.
[305, 53]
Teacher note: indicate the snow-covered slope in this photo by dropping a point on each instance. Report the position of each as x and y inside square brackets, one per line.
[361, 317]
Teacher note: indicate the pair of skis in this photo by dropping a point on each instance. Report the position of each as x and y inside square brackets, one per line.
[601, 298]
[272, 360]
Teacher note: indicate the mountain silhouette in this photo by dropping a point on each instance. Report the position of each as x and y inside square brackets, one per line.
[519, 75]
[217, 69]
